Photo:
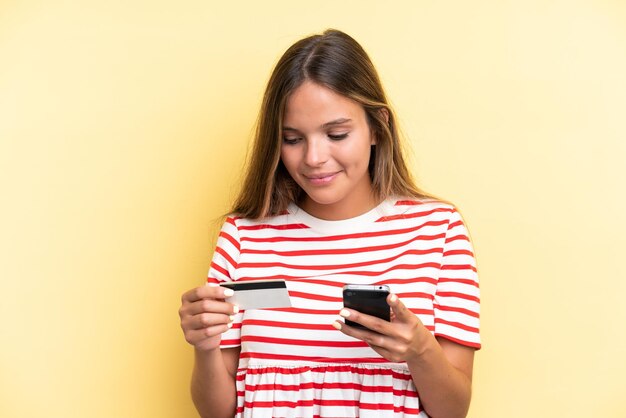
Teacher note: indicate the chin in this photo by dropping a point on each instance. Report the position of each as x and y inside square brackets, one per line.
[324, 200]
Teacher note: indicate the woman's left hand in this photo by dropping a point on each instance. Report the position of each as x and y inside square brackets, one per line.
[399, 340]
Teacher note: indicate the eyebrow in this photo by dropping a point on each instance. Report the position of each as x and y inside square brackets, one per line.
[339, 121]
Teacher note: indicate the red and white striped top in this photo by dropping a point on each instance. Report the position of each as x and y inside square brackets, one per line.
[293, 362]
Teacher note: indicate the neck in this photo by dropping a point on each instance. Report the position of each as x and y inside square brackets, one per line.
[345, 209]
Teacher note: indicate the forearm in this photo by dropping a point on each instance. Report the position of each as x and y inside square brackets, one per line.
[444, 390]
[213, 387]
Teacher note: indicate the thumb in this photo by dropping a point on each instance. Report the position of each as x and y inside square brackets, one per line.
[400, 312]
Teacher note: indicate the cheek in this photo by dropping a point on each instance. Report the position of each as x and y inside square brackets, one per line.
[358, 158]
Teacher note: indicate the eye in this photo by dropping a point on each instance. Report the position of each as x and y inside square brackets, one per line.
[338, 137]
[291, 141]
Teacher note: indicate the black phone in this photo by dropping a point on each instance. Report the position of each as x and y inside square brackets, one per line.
[370, 299]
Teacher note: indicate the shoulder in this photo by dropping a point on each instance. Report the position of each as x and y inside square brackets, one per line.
[418, 208]
[283, 220]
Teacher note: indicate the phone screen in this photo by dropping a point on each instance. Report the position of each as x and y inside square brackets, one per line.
[367, 299]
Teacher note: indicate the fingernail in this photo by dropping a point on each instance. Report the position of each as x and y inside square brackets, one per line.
[229, 292]
[232, 318]
[344, 312]
[235, 309]
[336, 325]
[394, 298]
[229, 325]
[211, 284]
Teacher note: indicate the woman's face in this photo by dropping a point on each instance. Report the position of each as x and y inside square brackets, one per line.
[326, 150]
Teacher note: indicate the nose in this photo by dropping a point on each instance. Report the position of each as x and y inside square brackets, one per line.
[316, 152]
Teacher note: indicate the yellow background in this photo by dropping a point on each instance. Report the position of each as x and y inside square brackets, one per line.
[124, 126]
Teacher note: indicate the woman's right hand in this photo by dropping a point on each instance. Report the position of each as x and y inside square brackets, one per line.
[204, 316]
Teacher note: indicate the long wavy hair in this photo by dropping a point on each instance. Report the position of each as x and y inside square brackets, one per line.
[336, 61]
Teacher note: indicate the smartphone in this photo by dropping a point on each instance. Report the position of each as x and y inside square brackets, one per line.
[370, 299]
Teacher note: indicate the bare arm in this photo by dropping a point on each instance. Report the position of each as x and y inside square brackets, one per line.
[443, 377]
[441, 370]
[213, 382]
[204, 317]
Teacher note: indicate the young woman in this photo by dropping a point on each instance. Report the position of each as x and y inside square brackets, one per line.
[328, 201]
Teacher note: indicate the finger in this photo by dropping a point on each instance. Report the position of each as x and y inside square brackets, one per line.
[206, 292]
[370, 337]
[199, 335]
[398, 309]
[347, 329]
[207, 320]
[384, 345]
[368, 321]
[210, 306]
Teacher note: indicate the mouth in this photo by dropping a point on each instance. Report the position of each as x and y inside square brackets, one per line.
[321, 178]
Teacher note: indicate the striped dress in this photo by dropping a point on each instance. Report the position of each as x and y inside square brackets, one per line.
[293, 363]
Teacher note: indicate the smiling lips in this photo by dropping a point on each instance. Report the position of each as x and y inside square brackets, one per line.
[321, 179]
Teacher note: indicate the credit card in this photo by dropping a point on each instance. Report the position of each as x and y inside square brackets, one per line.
[259, 294]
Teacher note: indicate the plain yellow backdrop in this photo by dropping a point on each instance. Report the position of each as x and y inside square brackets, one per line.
[124, 126]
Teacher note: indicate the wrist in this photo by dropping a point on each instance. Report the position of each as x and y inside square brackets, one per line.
[206, 354]
[425, 350]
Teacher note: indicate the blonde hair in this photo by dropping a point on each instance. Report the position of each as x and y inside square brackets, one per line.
[336, 61]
